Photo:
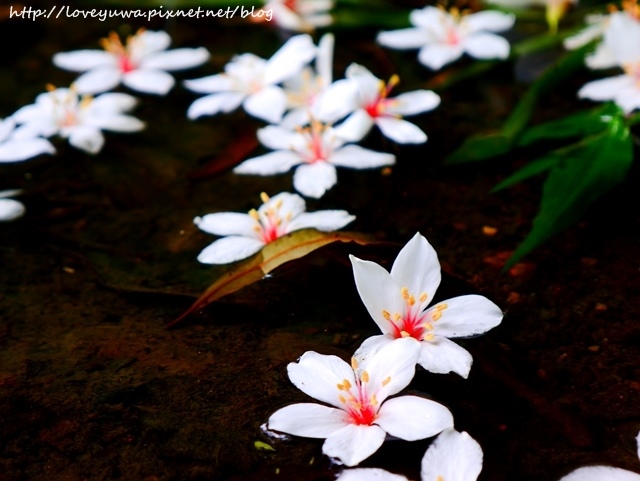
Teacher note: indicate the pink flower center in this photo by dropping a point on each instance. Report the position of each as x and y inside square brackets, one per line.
[270, 225]
[413, 321]
[113, 45]
[361, 405]
[633, 70]
[379, 106]
[316, 149]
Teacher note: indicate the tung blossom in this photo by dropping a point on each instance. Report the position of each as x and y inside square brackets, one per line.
[17, 144]
[316, 150]
[141, 63]
[10, 209]
[443, 37]
[366, 98]
[251, 81]
[300, 15]
[80, 119]
[397, 302]
[359, 415]
[246, 234]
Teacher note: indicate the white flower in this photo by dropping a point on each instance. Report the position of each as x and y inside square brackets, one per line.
[602, 473]
[301, 15]
[366, 98]
[80, 119]
[248, 233]
[10, 209]
[141, 64]
[361, 416]
[397, 302]
[453, 456]
[16, 145]
[443, 37]
[252, 82]
[317, 149]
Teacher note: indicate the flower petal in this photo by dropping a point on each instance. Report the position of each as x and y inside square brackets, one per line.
[412, 103]
[229, 249]
[436, 56]
[113, 102]
[442, 356]
[276, 138]
[354, 127]
[337, 101]
[401, 131]
[412, 417]
[465, 316]
[83, 60]
[289, 59]
[318, 376]
[353, 443]
[150, 41]
[227, 223]
[268, 164]
[210, 84]
[176, 59]
[323, 220]
[98, 80]
[417, 268]
[355, 157]
[601, 473]
[10, 209]
[267, 104]
[116, 123]
[378, 290]
[313, 180]
[308, 420]
[369, 474]
[603, 57]
[370, 348]
[605, 89]
[288, 205]
[23, 149]
[405, 38]
[149, 81]
[452, 456]
[215, 103]
[86, 138]
[486, 45]
[490, 21]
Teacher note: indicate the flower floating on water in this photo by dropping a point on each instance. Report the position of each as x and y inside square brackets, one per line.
[301, 15]
[366, 98]
[453, 456]
[15, 146]
[316, 150]
[80, 119]
[10, 209]
[141, 63]
[276, 217]
[443, 37]
[361, 415]
[397, 302]
[252, 81]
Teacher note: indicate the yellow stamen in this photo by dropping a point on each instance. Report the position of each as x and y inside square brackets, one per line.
[254, 214]
[423, 297]
[405, 334]
[427, 326]
[397, 316]
[386, 315]
[405, 293]
[342, 399]
[428, 337]
[411, 300]
[436, 315]
[354, 363]
[365, 376]
[374, 400]
[386, 381]
[264, 197]
[393, 81]
[442, 307]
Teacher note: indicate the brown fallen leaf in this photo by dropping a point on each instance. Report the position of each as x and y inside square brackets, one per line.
[231, 156]
[286, 248]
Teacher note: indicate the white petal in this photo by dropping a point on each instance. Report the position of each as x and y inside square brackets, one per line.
[622, 37]
[379, 292]
[466, 316]
[605, 89]
[210, 84]
[290, 205]
[313, 180]
[98, 80]
[289, 59]
[337, 101]
[324, 58]
[318, 376]
[353, 443]
[401, 131]
[19, 150]
[628, 99]
[215, 103]
[269, 164]
[89, 139]
[427, 17]
[9, 193]
[113, 102]
[276, 137]
[486, 45]
[6, 127]
[177, 59]
[307, 420]
[323, 220]
[268, 104]
[417, 268]
[355, 157]
[453, 456]
[83, 60]
[149, 81]
[412, 417]
[227, 223]
[369, 474]
[10, 209]
[150, 41]
[116, 123]
[436, 56]
[603, 57]
[638, 445]
[490, 21]
[601, 473]
[585, 35]
[405, 38]
[412, 103]
[370, 347]
[442, 356]
[354, 127]
[229, 249]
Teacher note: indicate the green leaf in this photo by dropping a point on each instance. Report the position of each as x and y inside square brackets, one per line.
[532, 168]
[480, 148]
[577, 181]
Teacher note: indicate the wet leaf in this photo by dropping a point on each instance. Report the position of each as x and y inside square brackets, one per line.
[282, 250]
[261, 446]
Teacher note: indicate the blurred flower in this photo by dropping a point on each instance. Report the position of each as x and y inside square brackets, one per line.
[16, 145]
[80, 119]
[443, 37]
[361, 416]
[317, 149]
[252, 82]
[366, 98]
[300, 15]
[141, 64]
[10, 209]
[396, 301]
[555, 9]
[248, 233]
